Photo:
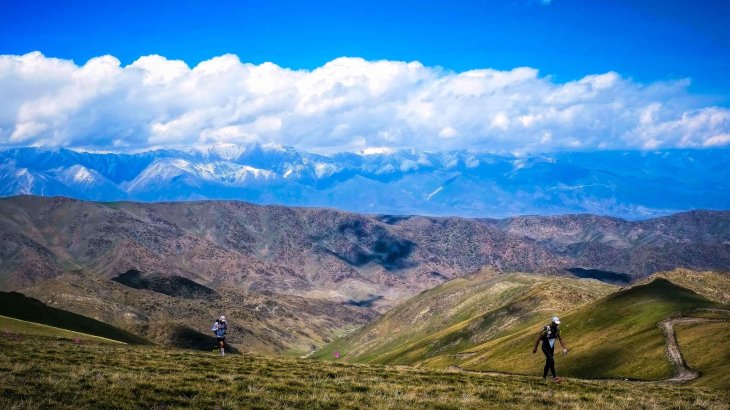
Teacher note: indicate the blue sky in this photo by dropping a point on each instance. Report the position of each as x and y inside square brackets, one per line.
[645, 40]
[646, 43]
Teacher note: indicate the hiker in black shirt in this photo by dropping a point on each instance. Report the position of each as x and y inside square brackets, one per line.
[548, 335]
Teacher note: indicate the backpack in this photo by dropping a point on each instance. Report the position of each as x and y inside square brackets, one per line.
[219, 328]
[550, 336]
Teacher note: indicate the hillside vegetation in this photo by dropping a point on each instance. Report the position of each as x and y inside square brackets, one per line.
[178, 312]
[293, 279]
[712, 285]
[38, 372]
[18, 306]
[706, 347]
[490, 323]
[14, 328]
[616, 337]
[463, 313]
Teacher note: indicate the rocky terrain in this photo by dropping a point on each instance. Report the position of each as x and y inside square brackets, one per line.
[292, 279]
[171, 315]
[334, 255]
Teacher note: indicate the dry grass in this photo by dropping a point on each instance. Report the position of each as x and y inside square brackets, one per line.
[39, 372]
[706, 347]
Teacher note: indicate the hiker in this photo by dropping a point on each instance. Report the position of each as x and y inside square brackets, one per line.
[219, 328]
[548, 335]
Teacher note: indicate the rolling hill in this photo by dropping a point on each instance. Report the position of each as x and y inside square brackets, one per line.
[706, 348]
[615, 337]
[490, 323]
[463, 313]
[295, 278]
[18, 329]
[174, 312]
[18, 306]
[334, 255]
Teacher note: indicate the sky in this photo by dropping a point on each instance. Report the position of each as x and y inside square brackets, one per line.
[327, 76]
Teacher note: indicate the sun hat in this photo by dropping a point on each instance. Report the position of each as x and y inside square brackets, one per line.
[556, 320]
[223, 318]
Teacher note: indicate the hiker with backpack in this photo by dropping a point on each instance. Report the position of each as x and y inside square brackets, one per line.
[548, 335]
[219, 328]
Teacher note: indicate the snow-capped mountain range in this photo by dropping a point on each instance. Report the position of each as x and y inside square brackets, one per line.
[629, 184]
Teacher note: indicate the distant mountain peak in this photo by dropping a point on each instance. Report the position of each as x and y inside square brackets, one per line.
[629, 184]
[376, 151]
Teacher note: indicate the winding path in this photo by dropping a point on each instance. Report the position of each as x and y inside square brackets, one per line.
[683, 372]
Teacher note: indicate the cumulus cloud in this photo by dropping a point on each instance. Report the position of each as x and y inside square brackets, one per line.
[349, 104]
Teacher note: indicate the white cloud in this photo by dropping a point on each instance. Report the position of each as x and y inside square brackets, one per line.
[717, 140]
[26, 130]
[448, 132]
[347, 104]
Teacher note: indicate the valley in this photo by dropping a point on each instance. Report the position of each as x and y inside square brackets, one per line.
[365, 205]
[294, 279]
[335, 255]
[433, 293]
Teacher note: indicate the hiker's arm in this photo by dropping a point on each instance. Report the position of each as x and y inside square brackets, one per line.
[560, 339]
[537, 342]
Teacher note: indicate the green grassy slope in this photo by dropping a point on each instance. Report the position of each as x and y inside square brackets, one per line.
[19, 306]
[50, 373]
[16, 327]
[616, 337]
[712, 285]
[706, 348]
[463, 313]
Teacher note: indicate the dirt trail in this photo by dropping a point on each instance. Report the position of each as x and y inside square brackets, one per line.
[683, 372]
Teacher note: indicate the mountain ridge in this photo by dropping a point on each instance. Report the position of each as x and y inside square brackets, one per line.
[489, 322]
[331, 254]
[626, 184]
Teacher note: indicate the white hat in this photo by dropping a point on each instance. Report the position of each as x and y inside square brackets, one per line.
[223, 318]
[556, 320]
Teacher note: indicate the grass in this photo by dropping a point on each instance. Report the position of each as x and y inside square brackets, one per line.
[15, 328]
[706, 347]
[712, 285]
[41, 372]
[19, 306]
[461, 314]
[616, 337]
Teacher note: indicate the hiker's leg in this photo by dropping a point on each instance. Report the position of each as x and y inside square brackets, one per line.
[547, 363]
[552, 362]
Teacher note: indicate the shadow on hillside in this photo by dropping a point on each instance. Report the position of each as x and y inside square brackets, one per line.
[187, 338]
[18, 306]
[367, 302]
[616, 278]
[171, 285]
